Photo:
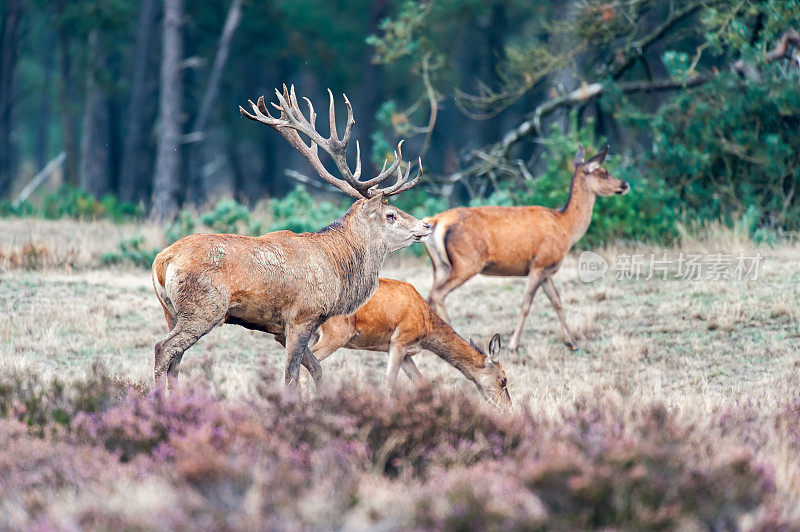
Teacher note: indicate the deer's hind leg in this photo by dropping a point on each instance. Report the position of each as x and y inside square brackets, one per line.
[201, 308]
[411, 370]
[445, 282]
[169, 351]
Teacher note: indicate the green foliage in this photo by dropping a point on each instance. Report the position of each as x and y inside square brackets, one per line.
[71, 202]
[133, 251]
[23, 209]
[228, 216]
[419, 202]
[182, 226]
[401, 34]
[301, 213]
[731, 147]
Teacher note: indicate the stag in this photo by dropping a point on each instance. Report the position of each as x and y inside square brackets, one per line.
[284, 283]
[398, 320]
[527, 241]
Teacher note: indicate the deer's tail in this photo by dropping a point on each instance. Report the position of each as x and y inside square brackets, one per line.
[435, 244]
[160, 265]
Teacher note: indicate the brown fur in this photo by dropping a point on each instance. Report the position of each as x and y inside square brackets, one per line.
[517, 241]
[281, 283]
[397, 320]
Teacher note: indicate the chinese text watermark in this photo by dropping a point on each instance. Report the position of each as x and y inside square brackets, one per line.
[683, 267]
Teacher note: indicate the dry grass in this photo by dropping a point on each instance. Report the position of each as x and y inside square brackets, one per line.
[693, 345]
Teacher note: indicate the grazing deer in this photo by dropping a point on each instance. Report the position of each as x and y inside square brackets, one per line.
[397, 319]
[517, 241]
[283, 283]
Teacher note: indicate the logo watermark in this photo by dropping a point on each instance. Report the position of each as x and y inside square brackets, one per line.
[591, 267]
[683, 267]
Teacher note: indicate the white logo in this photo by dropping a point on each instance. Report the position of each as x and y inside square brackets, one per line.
[591, 267]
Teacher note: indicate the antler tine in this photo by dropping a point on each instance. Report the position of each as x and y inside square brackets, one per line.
[386, 172]
[258, 115]
[357, 173]
[350, 120]
[402, 183]
[334, 138]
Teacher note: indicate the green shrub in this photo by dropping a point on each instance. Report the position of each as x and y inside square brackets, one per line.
[229, 216]
[24, 208]
[131, 250]
[71, 202]
[301, 213]
[182, 226]
[419, 202]
[730, 148]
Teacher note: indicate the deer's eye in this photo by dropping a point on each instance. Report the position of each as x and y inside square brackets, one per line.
[390, 216]
[503, 381]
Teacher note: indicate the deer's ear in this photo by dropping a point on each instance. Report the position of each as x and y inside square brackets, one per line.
[578, 157]
[494, 347]
[373, 205]
[597, 160]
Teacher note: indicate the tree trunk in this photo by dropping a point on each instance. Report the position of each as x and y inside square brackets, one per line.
[43, 120]
[136, 155]
[65, 100]
[95, 162]
[168, 157]
[9, 47]
[196, 185]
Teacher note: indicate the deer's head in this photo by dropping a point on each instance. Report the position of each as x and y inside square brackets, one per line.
[598, 180]
[492, 377]
[397, 229]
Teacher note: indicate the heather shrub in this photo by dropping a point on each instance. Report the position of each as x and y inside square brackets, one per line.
[99, 453]
[39, 403]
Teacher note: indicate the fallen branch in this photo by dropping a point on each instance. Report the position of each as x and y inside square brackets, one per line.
[39, 178]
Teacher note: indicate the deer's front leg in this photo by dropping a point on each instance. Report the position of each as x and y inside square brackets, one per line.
[534, 280]
[550, 289]
[296, 351]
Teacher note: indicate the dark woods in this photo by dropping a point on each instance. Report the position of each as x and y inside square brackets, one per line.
[700, 98]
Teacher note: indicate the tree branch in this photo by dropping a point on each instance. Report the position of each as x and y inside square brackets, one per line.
[624, 59]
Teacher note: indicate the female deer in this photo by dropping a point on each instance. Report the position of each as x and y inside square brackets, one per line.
[517, 241]
[397, 320]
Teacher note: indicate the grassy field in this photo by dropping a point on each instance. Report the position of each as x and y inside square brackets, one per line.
[695, 346]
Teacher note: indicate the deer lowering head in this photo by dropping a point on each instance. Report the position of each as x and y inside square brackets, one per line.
[491, 377]
[284, 283]
[598, 180]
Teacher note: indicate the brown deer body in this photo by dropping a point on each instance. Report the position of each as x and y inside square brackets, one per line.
[397, 320]
[527, 241]
[283, 283]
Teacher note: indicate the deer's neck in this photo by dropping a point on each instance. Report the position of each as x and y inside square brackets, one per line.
[577, 213]
[356, 258]
[454, 350]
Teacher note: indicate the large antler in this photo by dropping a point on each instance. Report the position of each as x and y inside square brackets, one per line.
[292, 122]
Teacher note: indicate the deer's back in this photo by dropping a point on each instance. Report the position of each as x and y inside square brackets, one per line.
[504, 240]
[395, 309]
[263, 278]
